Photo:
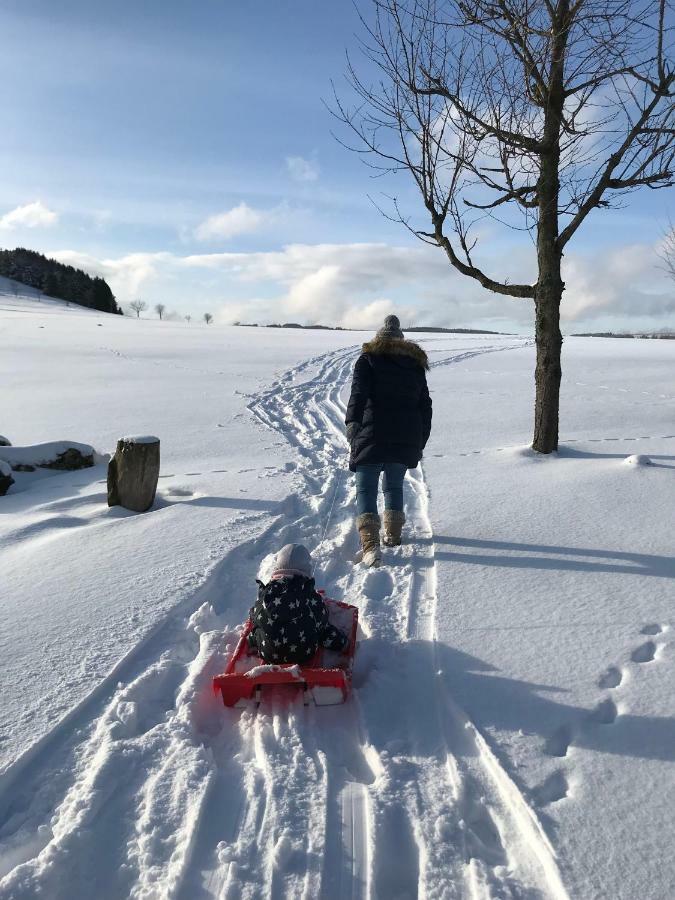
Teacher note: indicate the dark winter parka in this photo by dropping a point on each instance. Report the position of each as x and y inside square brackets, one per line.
[290, 621]
[389, 404]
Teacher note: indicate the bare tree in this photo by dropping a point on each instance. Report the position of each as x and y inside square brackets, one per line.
[188, 319]
[138, 306]
[530, 112]
[208, 318]
[159, 309]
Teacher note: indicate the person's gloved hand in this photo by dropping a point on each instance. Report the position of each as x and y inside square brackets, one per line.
[352, 431]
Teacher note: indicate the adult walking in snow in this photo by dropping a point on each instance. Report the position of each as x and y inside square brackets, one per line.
[388, 425]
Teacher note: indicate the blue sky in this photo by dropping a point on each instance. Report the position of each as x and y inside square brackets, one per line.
[184, 151]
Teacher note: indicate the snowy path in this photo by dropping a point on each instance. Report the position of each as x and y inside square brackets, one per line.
[153, 789]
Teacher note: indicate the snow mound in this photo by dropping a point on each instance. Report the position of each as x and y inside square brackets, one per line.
[637, 460]
[54, 454]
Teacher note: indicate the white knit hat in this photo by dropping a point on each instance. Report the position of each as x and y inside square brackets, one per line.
[293, 559]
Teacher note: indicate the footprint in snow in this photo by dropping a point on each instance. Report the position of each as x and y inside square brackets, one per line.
[180, 492]
[605, 712]
[644, 653]
[652, 629]
[559, 742]
[378, 585]
[612, 678]
[483, 840]
[144, 703]
[554, 788]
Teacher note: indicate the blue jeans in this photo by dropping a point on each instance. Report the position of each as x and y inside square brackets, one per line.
[367, 483]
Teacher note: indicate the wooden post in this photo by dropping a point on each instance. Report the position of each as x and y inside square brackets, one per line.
[133, 473]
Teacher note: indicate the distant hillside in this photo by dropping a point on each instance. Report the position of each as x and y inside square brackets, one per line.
[665, 335]
[57, 280]
[434, 329]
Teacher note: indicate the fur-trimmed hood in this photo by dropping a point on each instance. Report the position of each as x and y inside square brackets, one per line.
[396, 347]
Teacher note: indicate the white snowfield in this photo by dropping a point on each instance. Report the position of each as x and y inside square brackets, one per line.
[512, 728]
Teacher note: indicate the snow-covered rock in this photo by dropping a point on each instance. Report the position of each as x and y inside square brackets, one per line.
[52, 455]
[6, 480]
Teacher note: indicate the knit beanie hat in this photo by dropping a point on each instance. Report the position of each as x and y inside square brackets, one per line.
[293, 559]
[391, 329]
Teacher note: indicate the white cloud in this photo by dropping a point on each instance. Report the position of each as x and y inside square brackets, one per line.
[352, 285]
[31, 215]
[127, 276]
[238, 220]
[624, 281]
[301, 169]
[356, 285]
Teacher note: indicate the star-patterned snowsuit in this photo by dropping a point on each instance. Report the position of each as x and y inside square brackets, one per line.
[290, 621]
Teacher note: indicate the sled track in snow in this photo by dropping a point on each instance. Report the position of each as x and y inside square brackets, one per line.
[395, 794]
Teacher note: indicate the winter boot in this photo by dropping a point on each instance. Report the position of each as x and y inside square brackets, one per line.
[368, 525]
[394, 520]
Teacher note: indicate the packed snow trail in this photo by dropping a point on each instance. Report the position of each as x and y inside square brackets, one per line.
[370, 799]
[162, 792]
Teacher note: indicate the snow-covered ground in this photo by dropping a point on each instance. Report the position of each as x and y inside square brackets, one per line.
[512, 728]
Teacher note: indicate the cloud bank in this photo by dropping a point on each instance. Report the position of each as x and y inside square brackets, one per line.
[356, 285]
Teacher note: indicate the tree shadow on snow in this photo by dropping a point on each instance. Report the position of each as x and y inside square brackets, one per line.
[521, 707]
[397, 680]
[271, 506]
[499, 553]
[574, 453]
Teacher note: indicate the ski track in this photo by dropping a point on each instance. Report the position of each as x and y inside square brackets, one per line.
[153, 789]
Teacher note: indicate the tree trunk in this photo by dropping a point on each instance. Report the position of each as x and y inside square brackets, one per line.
[133, 473]
[547, 297]
[548, 373]
[549, 288]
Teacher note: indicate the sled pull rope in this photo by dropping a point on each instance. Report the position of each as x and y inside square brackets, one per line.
[338, 481]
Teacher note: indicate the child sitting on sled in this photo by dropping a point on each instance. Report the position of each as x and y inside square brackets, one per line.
[290, 618]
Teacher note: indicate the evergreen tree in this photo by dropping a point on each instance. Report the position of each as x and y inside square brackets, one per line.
[57, 279]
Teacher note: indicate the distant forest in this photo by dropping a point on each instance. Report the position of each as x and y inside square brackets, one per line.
[57, 280]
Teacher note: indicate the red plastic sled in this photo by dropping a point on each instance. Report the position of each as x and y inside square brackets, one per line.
[326, 678]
